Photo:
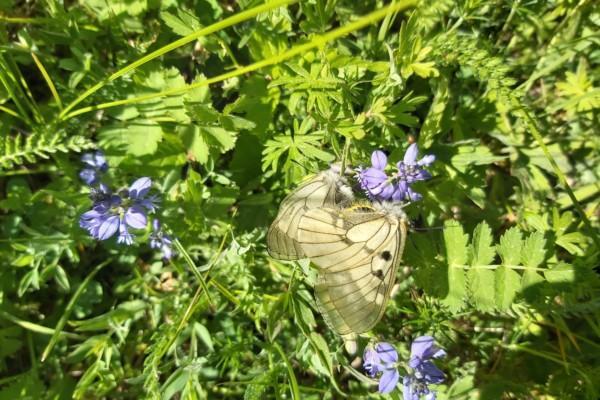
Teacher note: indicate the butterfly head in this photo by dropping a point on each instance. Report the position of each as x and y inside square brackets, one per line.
[391, 208]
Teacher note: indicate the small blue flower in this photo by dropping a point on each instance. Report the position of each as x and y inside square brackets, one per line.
[117, 213]
[379, 186]
[382, 359]
[424, 372]
[411, 170]
[95, 165]
[160, 240]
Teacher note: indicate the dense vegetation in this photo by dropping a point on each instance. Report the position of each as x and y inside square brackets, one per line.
[225, 107]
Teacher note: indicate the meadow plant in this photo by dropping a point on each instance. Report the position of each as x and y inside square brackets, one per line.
[146, 147]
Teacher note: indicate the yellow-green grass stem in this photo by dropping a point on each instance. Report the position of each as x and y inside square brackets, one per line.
[227, 22]
[317, 41]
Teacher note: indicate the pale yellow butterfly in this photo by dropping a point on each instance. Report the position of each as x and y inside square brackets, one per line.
[357, 250]
[326, 189]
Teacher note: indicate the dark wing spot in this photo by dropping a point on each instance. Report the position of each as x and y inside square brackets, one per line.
[378, 273]
[386, 255]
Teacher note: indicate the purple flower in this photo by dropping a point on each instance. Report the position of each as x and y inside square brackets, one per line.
[117, 213]
[382, 359]
[379, 186]
[95, 165]
[374, 181]
[160, 240]
[411, 170]
[424, 371]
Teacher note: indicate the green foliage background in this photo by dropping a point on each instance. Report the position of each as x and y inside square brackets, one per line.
[227, 107]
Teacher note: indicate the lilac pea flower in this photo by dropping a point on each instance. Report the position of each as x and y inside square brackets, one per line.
[422, 351]
[382, 359]
[138, 193]
[117, 213]
[160, 240]
[373, 180]
[95, 165]
[424, 372]
[411, 170]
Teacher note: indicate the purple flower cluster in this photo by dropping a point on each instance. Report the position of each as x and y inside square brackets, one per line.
[379, 186]
[382, 360]
[118, 213]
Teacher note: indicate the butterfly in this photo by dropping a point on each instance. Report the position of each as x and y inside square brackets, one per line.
[326, 189]
[357, 251]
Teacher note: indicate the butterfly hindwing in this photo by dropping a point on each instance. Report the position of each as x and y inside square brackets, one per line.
[357, 252]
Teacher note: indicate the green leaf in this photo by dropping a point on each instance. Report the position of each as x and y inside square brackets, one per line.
[456, 255]
[510, 247]
[482, 249]
[183, 23]
[533, 253]
[481, 286]
[562, 273]
[507, 283]
[456, 243]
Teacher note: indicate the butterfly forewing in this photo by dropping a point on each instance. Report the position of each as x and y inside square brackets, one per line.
[357, 263]
[323, 190]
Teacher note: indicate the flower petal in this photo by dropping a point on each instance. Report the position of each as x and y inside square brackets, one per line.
[379, 160]
[124, 235]
[431, 373]
[373, 177]
[412, 195]
[371, 362]
[399, 191]
[140, 187]
[426, 161]
[108, 227]
[386, 352]
[88, 175]
[388, 381]
[410, 157]
[135, 218]
[407, 389]
[420, 346]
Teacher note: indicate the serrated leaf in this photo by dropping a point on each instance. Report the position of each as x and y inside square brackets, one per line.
[510, 246]
[561, 273]
[457, 288]
[183, 23]
[456, 243]
[508, 283]
[533, 252]
[481, 286]
[482, 249]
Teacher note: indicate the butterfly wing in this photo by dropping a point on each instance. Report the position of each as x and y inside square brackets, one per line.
[357, 253]
[326, 189]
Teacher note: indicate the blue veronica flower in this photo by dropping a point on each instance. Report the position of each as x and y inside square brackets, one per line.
[424, 371]
[160, 240]
[96, 165]
[376, 183]
[382, 360]
[117, 213]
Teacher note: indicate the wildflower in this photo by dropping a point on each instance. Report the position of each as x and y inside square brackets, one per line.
[410, 171]
[396, 187]
[95, 165]
[112, 213]
[374, 181]
[382, 359]
[160, 240]
[424, 371]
